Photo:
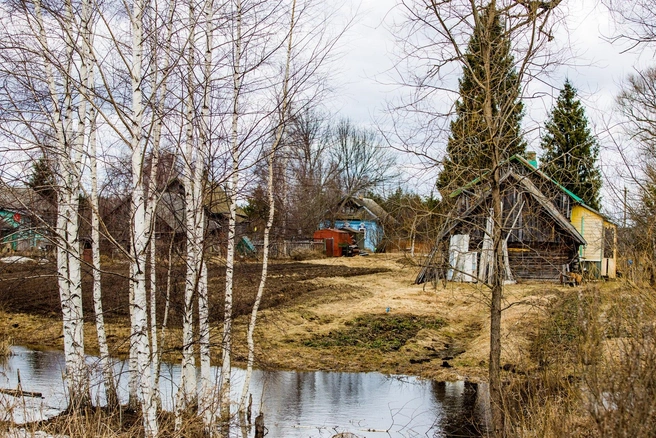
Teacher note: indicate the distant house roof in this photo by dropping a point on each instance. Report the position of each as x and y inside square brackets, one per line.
[536, 194]
[171, 209]
[22, 200]
[217, 202]
[367, 209]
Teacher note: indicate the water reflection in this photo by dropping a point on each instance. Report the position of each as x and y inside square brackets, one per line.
[464, 408]
[296, 404]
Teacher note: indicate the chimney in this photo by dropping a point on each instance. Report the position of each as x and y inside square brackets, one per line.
[532, 158]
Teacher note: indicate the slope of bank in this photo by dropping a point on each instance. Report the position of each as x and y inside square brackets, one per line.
[337, 314]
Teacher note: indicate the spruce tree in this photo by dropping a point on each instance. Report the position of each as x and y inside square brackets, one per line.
[570, 150]
[42, 180]
[468, 152]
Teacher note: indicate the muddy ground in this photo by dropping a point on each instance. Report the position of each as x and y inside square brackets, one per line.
[339, 314]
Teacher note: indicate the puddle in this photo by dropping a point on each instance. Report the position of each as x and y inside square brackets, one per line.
[296, 404]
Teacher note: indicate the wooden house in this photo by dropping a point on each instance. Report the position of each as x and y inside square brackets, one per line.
[598, 255]
[25, 218]
[547, 231]
[171, 221]
[365, 220]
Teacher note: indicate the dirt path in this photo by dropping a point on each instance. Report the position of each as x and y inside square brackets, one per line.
[339, 314]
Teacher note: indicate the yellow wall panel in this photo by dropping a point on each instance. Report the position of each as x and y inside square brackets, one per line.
[591, 227]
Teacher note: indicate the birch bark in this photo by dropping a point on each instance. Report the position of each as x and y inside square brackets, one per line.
[105, 360]
[140, 231]
[188, 397]
[68, 166]
[225, 385]
[280, 131]
[206, 403]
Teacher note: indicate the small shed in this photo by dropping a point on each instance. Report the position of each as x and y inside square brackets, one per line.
[334, 240]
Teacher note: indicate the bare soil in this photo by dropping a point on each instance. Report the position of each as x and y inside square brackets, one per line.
[338, 314]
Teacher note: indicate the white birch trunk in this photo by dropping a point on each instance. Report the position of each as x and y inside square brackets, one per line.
[206, 395]
[133, 369]
[153, 199]
[105, 360]
[226, 368]
[140, 232]
[188, 397]
[152, 205]
[68, 251]
[413, 236]
[103, 347]
[76, 366]
[267, 230]
[206, 399]
[167, 298]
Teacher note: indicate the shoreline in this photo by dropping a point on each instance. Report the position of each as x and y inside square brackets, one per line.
[326, 311]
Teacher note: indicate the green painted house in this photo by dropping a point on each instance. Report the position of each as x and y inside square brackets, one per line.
[23, 216]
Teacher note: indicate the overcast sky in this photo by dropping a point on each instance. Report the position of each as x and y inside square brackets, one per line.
[596, 67]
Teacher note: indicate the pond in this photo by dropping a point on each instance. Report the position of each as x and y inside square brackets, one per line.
[295, 404]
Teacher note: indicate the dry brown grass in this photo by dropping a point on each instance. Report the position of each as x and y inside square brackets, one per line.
[98, 422]
[593, 368]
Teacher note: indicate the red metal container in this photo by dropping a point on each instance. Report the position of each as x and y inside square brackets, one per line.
[335, 240]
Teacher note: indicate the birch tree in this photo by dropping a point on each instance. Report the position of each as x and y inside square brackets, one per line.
[105, 360]
[278, 136]
[45, 68]
[206, 406]
[307, 52]
[193, 217]
[140, 226]
[226, 343]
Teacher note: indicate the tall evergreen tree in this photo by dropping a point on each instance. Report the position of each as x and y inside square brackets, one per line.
[43, 179]
[570, 150]
[468, 150]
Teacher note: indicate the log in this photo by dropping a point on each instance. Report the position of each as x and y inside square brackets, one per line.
[21, 393]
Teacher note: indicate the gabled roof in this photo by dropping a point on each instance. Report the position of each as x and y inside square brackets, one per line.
[549, 207]
[22, 200]
[524, 162]
[171, 209]
[217, 202]
[369, 209]
[536, 194]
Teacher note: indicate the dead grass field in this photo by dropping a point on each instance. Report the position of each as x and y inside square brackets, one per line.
[314, 300]
[456, 350]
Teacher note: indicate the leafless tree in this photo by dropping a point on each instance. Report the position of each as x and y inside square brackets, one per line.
[362, 160]
[45, 70]
[438, 33]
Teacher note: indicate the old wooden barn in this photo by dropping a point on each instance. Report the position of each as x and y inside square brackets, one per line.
[547, 231]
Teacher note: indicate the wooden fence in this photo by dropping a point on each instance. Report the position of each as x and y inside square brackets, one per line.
[289, 247]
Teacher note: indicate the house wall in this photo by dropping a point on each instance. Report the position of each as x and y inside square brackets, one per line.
[334, 240]
[539, 261]
[373, 231]
[591, 227]
[20, 237]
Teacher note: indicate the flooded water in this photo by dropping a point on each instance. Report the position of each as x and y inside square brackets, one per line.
[295, 404]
